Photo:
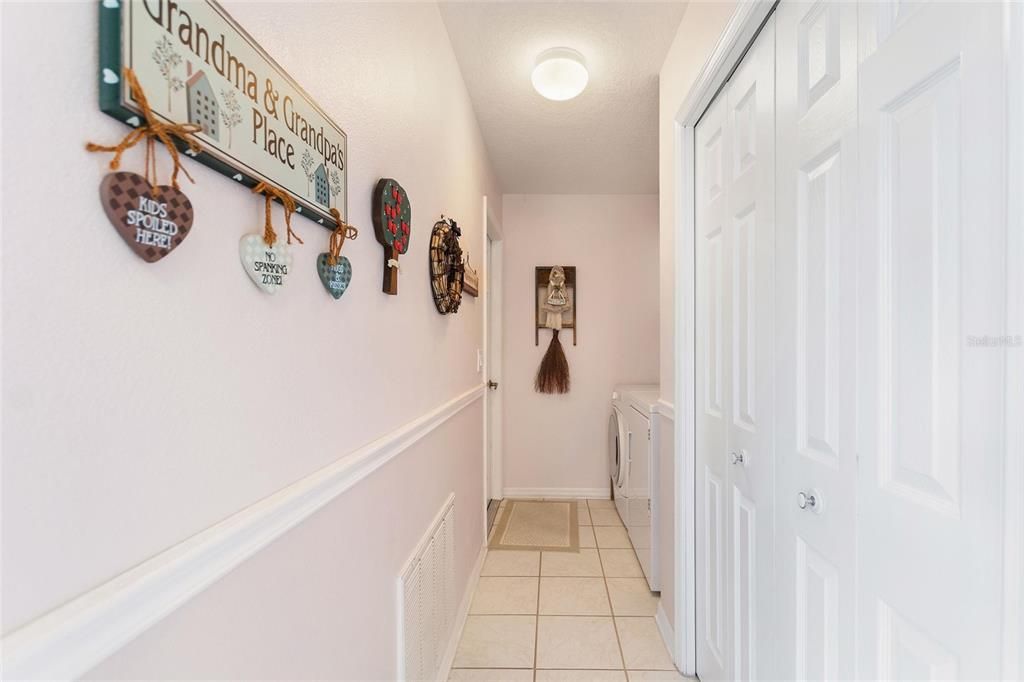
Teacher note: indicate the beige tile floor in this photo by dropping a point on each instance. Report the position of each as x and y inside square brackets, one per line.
[563, 616]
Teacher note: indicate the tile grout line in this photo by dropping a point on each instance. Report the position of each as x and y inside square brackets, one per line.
[536, 618]
[615, 626]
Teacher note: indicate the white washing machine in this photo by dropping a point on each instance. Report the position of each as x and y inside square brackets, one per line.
[617, 468]
[631, 466]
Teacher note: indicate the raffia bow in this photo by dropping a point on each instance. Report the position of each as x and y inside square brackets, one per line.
[270, 193]
[152, 130]
[341, 232]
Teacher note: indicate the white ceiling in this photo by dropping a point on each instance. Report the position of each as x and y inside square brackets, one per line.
[603, 142]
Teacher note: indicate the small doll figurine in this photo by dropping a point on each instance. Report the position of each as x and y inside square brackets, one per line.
[553, 375]
[557, 301]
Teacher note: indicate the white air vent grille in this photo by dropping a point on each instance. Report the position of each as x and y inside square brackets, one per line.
[427, 599]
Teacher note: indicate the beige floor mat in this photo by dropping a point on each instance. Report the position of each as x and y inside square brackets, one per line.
[551, 526]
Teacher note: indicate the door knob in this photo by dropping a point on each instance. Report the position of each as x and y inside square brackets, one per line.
[810, 500]
[493, 385]
[737, 457]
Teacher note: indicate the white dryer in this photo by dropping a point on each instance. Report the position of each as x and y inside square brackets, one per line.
[631, 464]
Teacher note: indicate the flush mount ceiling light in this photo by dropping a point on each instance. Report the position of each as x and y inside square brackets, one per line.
[560, 74]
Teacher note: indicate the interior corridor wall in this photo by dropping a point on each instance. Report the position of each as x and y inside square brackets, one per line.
[698, 33]
[557, 444]
[143, 403]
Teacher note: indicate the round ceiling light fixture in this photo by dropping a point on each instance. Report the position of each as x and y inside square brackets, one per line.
[560, 74]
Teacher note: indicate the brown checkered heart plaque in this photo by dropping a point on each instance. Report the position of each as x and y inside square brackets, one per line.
[152, 222]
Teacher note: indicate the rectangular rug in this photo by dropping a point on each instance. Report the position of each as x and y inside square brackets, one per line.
[551, 526]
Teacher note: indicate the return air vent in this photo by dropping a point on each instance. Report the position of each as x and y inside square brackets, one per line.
[427, 599]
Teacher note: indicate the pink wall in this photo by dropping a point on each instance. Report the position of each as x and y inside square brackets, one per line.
[559, 441]
[144, 403]
[319, 602]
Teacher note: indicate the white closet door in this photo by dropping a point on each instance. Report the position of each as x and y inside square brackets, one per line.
[711, 371]
[931, 275]
[735, 220]
[750, 197]
[816, 295]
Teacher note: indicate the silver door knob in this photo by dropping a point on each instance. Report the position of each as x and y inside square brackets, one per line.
[737, 457]
[810, 500]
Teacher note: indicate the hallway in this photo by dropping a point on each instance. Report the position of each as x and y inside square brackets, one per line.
[512, 340]
[554, 616]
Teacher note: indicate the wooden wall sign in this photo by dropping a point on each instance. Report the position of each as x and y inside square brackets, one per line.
[542, 277]
[197, 65]
[470, 278]
[392, 224]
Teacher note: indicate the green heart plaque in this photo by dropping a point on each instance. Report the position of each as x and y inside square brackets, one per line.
[335, 278]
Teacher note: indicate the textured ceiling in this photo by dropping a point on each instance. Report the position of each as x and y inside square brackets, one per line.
[603, 142]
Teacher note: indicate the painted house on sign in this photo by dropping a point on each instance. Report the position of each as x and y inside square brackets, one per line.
[323, 194]
[203, 107]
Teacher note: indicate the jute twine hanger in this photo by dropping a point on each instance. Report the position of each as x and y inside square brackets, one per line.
[341, 232]
[154, 129]
[270, 193]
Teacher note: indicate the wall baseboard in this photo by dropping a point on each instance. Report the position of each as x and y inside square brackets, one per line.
[72, 639]
[461, 615]
[666, 631]
[558, 493]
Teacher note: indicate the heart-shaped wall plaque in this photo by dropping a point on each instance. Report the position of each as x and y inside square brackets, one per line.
[267, 266]
[153, 221]
[335, 278]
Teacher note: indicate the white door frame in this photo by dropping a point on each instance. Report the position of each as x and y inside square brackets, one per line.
[490, 283]
[732, 44]
[1013, 533]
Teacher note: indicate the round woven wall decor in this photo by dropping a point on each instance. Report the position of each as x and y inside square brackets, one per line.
[446, 268]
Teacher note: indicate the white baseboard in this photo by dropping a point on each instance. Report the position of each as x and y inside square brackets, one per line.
[72, 639]
[557, 493]
[461, 615]
[665, 629]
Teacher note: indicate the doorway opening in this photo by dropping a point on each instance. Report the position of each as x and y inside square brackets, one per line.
[492, 276]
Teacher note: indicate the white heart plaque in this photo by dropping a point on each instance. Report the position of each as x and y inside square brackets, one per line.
[267, 266]
[109, 77]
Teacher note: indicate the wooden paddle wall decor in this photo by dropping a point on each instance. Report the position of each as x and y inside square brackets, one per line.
[392, 223]
[541, 278]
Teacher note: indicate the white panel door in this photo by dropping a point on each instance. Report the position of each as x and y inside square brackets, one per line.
[711, 372]
[816, 460]
[735, 220]
[931, 276]
[750, 223]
